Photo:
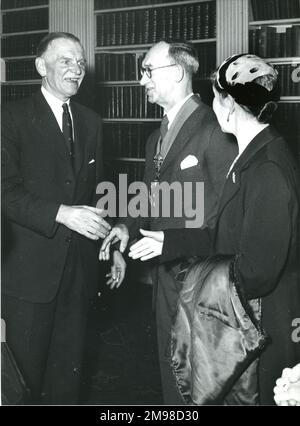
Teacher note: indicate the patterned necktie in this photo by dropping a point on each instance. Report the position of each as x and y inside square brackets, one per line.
[158, 159]
[67, 129]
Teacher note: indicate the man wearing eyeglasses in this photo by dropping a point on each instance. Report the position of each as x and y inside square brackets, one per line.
[52, 163]
[189, 147]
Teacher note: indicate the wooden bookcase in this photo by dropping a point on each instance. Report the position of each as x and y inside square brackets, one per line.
[24, 24]
[116, 35]
[274, 33]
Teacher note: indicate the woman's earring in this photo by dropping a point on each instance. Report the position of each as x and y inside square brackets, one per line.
[229, 114]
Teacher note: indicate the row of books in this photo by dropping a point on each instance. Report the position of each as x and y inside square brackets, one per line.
[21, 69]
[21, 45]
[275, 9]
[189, 22]
[289, 79]
[14, 93]
[272, 41]
[286, 118]
[13, 4]
[126, 66]
[126, 102]
[134, 171]
[25, 20]
[117, 66]
[207, 59]
[126, 139]
[109, 4]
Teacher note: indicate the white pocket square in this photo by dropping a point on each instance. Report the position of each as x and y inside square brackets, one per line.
[92, 161]
[189, 161]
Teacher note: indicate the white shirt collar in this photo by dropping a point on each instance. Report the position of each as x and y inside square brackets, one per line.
[175, 109]
[55, 105]
[53, 100]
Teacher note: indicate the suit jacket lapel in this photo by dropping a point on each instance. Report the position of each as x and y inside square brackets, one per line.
[181, 139]
[231, 187]
[232, 184]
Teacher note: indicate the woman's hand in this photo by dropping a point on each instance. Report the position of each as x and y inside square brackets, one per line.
[148, 247]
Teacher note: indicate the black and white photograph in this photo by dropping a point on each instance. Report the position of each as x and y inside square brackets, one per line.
[150, 232]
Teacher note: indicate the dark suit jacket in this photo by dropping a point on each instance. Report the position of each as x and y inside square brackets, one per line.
[201, 137]
[258, 220]
[36, 178]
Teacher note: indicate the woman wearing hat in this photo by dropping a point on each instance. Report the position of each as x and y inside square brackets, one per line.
[258, 218]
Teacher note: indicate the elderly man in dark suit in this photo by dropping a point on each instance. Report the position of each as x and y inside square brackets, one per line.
[190, 147]
[51, 164]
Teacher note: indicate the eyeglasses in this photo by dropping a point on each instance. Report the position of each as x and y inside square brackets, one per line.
[148, 71]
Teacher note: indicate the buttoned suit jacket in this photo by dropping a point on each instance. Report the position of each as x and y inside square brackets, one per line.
[201, 137]
[37, 178]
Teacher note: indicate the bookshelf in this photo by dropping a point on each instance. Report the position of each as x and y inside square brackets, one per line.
[124, 31]
[117, 34]
[24, 24]
[274, 34]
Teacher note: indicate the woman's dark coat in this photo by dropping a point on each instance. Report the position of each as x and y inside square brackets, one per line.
[258, 221]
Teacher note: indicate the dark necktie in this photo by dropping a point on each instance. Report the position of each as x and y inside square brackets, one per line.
[67, 129]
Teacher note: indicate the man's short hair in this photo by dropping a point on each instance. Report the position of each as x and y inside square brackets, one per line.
[44, 43]
[184, 54]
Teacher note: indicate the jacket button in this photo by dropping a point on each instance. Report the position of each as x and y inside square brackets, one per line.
[68, 182]
[68, 239]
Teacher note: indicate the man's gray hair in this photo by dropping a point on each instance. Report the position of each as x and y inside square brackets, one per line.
[184, 54]
[47, 40]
